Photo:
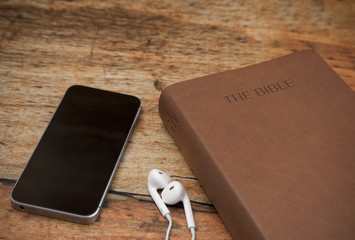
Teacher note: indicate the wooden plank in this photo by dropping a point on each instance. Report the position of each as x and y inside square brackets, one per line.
[140, 48]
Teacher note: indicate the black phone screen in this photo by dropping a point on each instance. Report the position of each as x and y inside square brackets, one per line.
[72, 164]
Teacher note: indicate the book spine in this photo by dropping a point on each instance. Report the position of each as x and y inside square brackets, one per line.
[210, 174]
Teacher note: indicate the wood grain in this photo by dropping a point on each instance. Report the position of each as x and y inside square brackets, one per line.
[139, 48]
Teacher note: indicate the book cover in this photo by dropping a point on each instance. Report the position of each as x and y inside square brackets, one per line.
[273, 146]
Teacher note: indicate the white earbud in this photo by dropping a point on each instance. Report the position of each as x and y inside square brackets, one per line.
[158, 179]
[173, 193]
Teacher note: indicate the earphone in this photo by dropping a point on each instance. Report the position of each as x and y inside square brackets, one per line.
[158, 179]
[173, 192]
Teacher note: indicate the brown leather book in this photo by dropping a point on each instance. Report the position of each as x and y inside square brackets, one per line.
[273, 146]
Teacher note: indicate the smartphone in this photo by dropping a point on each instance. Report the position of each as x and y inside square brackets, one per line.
[70, 171]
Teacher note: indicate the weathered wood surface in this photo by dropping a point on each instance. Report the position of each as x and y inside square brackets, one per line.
[139, 48]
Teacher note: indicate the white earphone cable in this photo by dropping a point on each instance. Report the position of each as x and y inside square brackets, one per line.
[169, 227]
[193, 233]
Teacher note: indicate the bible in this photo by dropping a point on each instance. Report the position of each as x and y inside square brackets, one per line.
[273, 146]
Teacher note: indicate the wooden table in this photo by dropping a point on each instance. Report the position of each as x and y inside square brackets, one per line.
[140, 48]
